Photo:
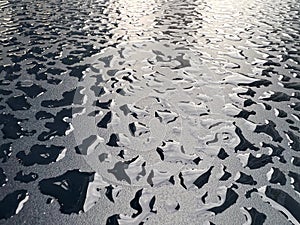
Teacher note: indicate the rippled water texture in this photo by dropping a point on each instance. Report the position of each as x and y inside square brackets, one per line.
[150, 112]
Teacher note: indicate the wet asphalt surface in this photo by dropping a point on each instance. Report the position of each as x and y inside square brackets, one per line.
[150, 112]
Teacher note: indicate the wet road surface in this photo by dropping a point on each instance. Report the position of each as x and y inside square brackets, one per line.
[150, 112]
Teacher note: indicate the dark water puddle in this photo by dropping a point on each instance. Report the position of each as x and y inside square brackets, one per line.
[30, 89]
[67, 100]
[41, 154]
[18, 103]
[26, 178]
[230, 198]
[88, 145]
[13, 203]
[74, 190]
[254, 217]
[245, 179]
[277, 176]
[283, 202]
[11, 127]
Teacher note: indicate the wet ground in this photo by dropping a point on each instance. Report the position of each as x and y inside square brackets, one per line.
[150, 112]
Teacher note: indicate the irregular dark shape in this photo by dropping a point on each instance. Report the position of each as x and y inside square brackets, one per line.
[166, 116]
[12, 203]
[181, 180]
[150, 177]
[119, 171]
[245, 114]
[151, 204]
[143, 172]
[88, 145]
[256, 163]
[134, 203]
[26, 178]
[249, 192]
[267, 106]
[132, 128]
[54, 81]
[35, 68]
[295, 128]
[172, 180]
[42, 115]
[109, 193]
[246, 179]
[230, 199]
[77, 71]
[3, 178]
[292, 85]
[289, 121]
[257, 218]
[5, 151]
[121, 154]
[137, 129]
[285, 200]
[58, 127]
[244, 143]
[32, 90]
[222, 154]
[67, 100]
[258, 83]
[125, 109]
[18, 103]
[296, 95]
[296, 161]
[249, 102]
[94, 113]
[213, 141]
[102, 157]
[295, 141]
[41, 154]
[226, 174]
[11, 127]
[70, 189]
[249, 92]
[271, 63]
[204, 197]
[203, 179]
[106, 60]
[105, 120]
[113, 220]
[70, 60]
[113, 140]
[160, 153]
[277, 177]
[270, 130]
[111, 72]
[98, 90]
[104, 105]
[281, 113]
[296, 180]
[121, 91]
[197, 160]
[278, 97]
[276, 151]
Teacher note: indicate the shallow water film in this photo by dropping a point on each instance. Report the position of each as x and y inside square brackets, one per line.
[131, 112]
